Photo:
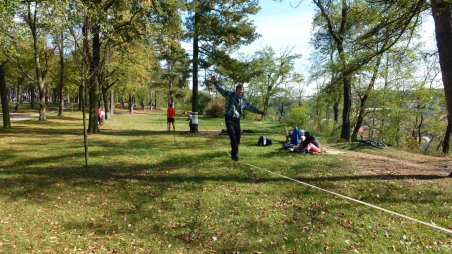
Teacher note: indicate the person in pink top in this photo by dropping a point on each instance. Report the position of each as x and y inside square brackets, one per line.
[99, 116]
[171, 113]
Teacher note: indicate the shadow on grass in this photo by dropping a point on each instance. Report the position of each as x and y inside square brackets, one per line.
[39, 178]
[43, 130]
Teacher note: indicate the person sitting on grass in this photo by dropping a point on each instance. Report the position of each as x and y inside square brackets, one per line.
[310, 144]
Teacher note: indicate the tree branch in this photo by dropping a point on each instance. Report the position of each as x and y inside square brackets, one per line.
[17, 65]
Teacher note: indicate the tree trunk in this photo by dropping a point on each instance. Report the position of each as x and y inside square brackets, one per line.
[42, 98]
[94, 81]
[42, 103]
[419, 129]
[38, 69]
[112, 102]
[105, 101]
[362, 107]
[10, 93]
[19, 94]
[336, 109]
[442, 15]
[32, 96]
[170, 86]
[46, 96]
[80, 97]
[61, 86]
[82, 102]
[447, 136]
[55, 95]
[359, 120]
[345, 131]
[131, 104]
[4, 97]
[195, 99]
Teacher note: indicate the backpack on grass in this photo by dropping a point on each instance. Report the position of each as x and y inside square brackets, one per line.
[295, 138]
[264, 141]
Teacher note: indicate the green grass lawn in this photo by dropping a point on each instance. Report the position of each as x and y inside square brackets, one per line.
[149, 191]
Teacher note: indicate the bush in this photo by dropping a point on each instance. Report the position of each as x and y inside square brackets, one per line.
[214, 109]
[297, 117]
[204, 100]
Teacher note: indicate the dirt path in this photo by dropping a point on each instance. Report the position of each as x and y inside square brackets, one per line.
[396, 164]
[25, 116]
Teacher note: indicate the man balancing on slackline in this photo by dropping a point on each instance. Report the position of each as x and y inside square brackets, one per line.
[233, 111]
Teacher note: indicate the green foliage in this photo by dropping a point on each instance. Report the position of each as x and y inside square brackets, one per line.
[273, 73]
[297, 117]
[216, 28]
[223, 24]
[204, 100]
[215, 109]
[238, 70]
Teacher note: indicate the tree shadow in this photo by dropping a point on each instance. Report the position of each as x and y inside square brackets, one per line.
[39, 178]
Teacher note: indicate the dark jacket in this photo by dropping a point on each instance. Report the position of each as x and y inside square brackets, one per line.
[235, 105]
[310, 139]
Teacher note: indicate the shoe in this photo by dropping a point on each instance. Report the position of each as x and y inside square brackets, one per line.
[235, 158]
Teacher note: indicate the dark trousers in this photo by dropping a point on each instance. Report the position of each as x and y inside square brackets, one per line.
[233, 126]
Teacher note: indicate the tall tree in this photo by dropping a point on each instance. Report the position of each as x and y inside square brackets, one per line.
[6, 19]
[58, 30]
[115, 26]
[34, 11]
[338, 34]
[442, 15]
[4, 98]
[355, 26]
[176, 69]
[274, 72]
[61, 76]
[215, 27]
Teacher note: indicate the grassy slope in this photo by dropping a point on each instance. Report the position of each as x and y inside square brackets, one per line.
[147, 190]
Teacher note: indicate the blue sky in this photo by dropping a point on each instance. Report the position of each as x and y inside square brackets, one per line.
[288, 24]
[283, 25]
[280, 24]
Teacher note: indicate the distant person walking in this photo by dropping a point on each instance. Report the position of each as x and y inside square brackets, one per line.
[171, 113]
[99, 116]
[233, 111]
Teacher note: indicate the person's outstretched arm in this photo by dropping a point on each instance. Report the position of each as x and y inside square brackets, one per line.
[252, 108]
[217, 86]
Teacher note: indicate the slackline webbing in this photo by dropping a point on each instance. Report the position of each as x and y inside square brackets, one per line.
[352, 199]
